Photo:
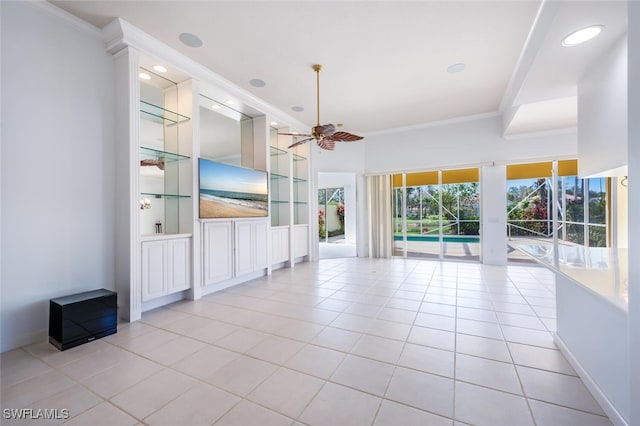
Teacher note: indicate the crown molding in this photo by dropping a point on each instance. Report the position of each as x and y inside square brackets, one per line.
[446, 122]
[119, 34]
[542, 133]
[66, 16]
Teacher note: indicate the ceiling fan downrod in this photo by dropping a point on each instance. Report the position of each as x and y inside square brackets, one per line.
[317, 68]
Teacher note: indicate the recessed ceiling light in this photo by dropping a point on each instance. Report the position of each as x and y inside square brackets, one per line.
[456, 68]
[215, 106]
[582, 35]
[159, 68]
[274, 123]
[190, 40]
[229, 102]
[144, 76]
[297, 108]
[256, 82]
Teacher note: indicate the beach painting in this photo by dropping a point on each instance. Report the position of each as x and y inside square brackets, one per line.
[230, 191]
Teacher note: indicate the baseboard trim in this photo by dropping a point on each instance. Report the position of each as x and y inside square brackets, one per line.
[609, 409]
[163, 301]
[26, 340]
[212, 288]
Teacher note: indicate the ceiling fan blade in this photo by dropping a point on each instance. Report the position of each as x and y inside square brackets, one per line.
[295, 134]
[344, 137]
[293, 145]
[329, 145]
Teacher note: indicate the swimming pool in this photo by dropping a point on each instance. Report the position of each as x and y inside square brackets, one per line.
[446, 238]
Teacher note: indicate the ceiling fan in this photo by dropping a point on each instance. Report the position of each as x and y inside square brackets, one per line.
[325, 135]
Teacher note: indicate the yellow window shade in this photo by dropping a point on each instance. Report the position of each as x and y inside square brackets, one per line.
[397, 181]
[568, 168]
[529, 171]
[460, 176]
[424, 178]
[541, 170]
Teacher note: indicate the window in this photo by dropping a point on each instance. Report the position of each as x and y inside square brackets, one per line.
[581, 204]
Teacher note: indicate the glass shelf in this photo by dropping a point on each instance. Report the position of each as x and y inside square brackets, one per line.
[276, 176]
[297, 157]
[298, 180]
[156, 154]
[160, 113]
[279, 202]
[300, 202]
[170, 196]
[277, 151]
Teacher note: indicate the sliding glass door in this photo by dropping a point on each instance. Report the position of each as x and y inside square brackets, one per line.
[436, 214]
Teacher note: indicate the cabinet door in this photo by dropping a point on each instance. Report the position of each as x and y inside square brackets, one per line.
[300, 241]
[154, 271]
[218, 252]
[178, 264]
[260, 245]
[244, 250]
[279, 245]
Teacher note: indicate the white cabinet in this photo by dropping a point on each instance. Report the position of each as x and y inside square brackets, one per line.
[261, 245]
[244, 250]
[154, 273]
[279, 245]
[300, 241]
[233, 248]
[178, 261]
[290, 200]
[251, 251]
[165, 267]
[217, 252]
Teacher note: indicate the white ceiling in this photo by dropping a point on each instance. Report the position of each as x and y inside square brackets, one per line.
[557, 69]
[384, 62]
[553, 114]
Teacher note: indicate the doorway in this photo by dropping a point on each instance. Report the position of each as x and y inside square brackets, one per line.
[331, 212]
[336, 220]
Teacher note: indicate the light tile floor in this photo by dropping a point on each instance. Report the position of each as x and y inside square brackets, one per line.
[337, 342]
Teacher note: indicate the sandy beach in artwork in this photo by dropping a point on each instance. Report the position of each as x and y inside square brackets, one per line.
[210, 208]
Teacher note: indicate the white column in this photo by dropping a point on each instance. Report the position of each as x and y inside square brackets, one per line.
[440, 233]
[493, 211]
[404, 216]
[128, 249]
[554, 207]
[634, 205]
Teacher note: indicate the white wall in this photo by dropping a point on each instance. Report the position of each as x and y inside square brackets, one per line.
[622, 213]
[634, 206]
[602, 114]
[57, 166]
[459, 143]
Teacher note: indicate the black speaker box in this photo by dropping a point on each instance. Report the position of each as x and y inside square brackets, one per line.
[81, 318]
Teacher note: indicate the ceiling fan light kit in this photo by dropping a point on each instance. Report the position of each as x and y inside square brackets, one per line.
[325, 135]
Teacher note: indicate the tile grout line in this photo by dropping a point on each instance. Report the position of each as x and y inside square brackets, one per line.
[524, 394]
[455, 351]
[395, 367]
